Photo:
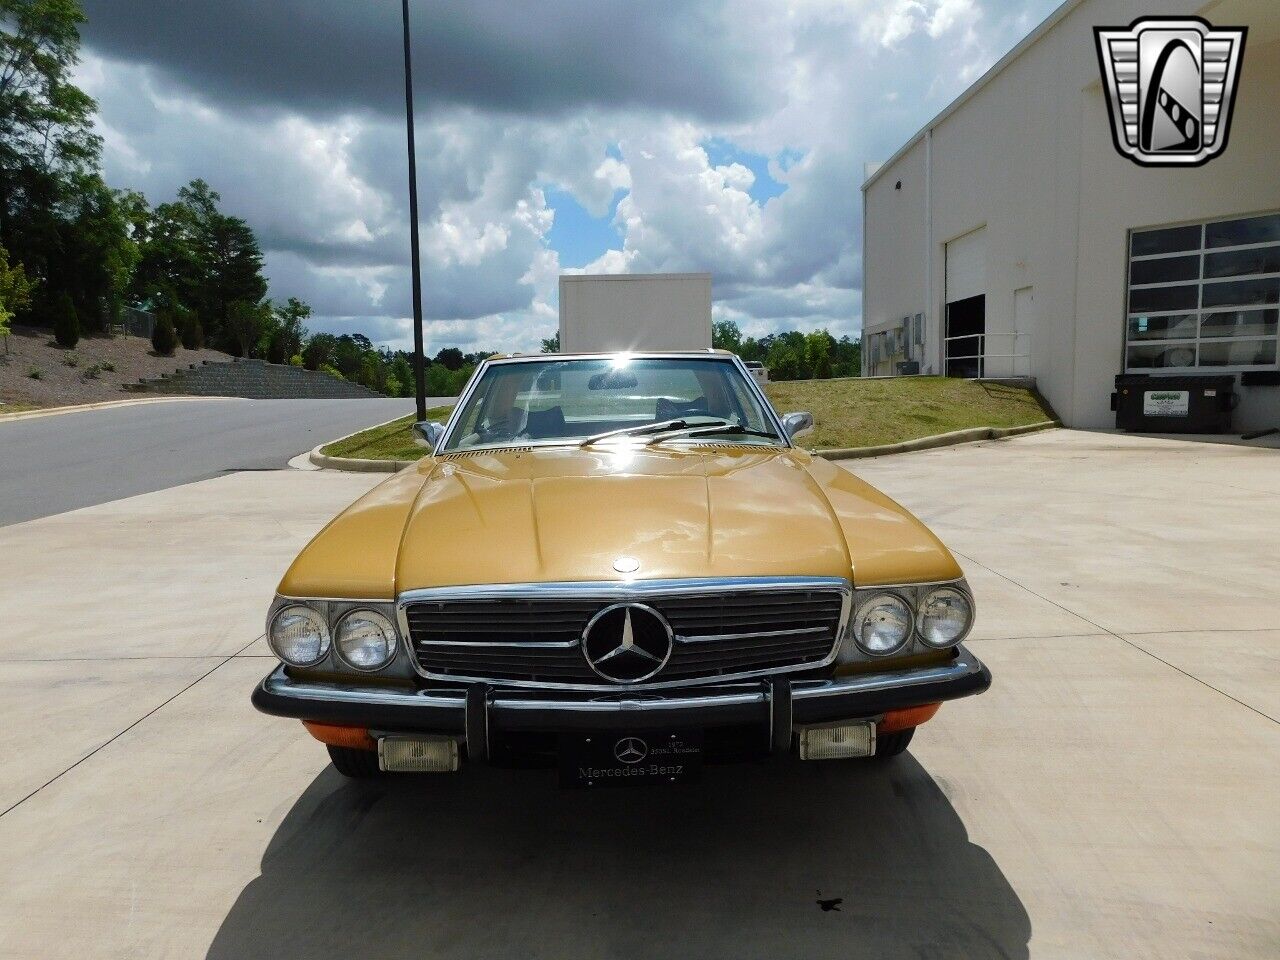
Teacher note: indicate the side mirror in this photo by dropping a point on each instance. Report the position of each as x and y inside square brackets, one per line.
[427, 433]
[797, 425]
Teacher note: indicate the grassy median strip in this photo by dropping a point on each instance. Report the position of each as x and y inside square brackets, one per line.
[391, 441]
[849, 413]
[868, 413]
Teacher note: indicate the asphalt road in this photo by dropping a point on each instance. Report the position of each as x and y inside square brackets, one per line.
[52, 464]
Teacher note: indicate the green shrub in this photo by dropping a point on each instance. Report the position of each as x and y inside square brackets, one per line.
[66, 322]
[393, 387]
[295, 360]
[108, 366]
[91, 372]
[164, 339]
[189, 330]
[331, 370]
[276, 352]
[71, 360]
[35, 373]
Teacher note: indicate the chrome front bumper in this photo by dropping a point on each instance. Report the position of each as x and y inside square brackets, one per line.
[479, 710]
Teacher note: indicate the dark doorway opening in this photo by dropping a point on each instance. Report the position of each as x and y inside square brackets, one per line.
[966, 329]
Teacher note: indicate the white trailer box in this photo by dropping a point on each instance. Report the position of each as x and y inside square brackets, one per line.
[635, 311]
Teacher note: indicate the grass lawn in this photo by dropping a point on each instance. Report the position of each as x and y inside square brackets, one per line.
[867, 413]
[849, 413]
[391, 441]
[17, 406]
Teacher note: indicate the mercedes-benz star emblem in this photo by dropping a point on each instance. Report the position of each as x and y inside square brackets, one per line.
[630, 750]
[627, 642]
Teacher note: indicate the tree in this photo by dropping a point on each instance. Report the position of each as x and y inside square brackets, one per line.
[164, 339]
[193, 253]
[245, 320]
[15, 293]
[783, 362]
[817, 354]
[725, 335]
[402, 371]
[318, 351]
[66, 324]
[45, 121]
[450, 358]
[290, 318]
[552, 343]
[48, 151]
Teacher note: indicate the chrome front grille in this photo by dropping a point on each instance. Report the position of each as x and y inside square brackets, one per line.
[719, 633]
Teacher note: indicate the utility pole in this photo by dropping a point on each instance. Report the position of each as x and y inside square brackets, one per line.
[419, 361]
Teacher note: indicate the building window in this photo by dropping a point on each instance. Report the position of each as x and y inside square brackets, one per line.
[1206, 295]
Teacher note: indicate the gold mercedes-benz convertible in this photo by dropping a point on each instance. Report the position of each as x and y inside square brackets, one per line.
[621, 565]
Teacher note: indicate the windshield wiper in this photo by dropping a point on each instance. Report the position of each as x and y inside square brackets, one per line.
[638, 430]
[699, 429]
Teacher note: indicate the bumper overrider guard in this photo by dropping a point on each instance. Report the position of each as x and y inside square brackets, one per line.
[478, 711]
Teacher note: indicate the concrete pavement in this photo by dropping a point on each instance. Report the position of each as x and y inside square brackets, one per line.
[57, 463]
[1113, 795]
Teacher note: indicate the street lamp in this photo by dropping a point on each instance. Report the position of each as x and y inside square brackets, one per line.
[419, 361]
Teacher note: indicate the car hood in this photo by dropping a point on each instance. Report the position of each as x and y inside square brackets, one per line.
[558, 514]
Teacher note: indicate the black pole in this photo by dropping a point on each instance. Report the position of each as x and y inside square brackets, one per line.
[419, 364]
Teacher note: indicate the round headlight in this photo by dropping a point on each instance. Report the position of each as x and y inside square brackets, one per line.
[945, 617]
[366, 639]
[883, 624]
[299, 636]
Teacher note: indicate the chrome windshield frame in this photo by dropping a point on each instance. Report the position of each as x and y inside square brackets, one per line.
[752, 387]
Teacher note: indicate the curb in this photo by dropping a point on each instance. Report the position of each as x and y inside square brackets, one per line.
[102, 405]
[355, 464]
[937, 440]
[352, 465]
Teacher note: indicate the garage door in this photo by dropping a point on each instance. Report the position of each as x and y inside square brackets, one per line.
[967, 266]
[964, 340]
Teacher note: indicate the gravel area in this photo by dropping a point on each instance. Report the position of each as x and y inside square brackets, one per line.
[31, 348]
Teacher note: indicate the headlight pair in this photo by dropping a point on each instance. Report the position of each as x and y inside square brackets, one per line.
[885, 622]
[299, 635]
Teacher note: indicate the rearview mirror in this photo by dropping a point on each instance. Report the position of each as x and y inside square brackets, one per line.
[427, 433]
[797, 425]
[613, 380]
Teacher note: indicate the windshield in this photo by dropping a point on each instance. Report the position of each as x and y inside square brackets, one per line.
[569, 401]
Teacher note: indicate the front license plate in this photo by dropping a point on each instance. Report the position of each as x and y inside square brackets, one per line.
[630, 758]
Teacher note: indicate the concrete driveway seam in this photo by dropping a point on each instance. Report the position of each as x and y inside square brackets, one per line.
[1122, 639]
[222, 662]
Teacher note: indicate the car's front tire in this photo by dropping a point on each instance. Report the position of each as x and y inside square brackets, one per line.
[356, 764]
[888, 745]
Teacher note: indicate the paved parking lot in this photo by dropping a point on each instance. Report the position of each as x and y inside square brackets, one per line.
[1114, 795]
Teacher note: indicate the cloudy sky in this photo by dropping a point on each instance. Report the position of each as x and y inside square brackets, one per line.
[726, 136]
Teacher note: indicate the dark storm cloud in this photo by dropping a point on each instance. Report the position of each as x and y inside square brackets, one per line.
[321, 57]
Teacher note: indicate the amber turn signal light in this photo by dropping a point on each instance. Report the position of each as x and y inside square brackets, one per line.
[356, 738]
[895, 720]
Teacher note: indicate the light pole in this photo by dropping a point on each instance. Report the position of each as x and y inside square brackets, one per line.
[419, 362]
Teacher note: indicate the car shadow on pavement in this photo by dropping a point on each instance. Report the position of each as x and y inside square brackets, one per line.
[836, 859]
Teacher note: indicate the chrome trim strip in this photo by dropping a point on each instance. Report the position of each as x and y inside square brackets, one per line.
[965, 663]
[621, 591]
[519, 644]
[615, 589]
[715, 638]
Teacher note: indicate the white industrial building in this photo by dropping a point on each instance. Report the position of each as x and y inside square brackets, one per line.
[1009, 237]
